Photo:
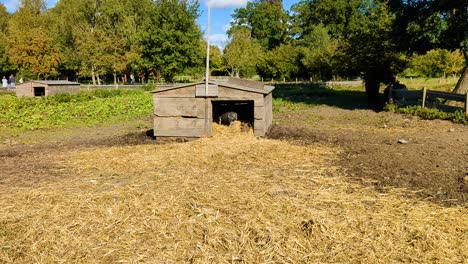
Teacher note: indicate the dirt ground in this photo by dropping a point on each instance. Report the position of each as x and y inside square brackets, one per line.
[428, 158]
[431, 164]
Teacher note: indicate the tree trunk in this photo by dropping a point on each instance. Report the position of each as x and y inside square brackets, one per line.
[98, 79]
[115, 79]
[372, 85]
[462, 84]
[93, 75]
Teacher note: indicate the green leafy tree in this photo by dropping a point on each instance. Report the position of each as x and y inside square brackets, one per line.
[424, 25]
[318, 52]
[283, 62]
[341, 18]
[437, 63]
[267, 21]
[359, 40]
[98, 37]
[30, 44]
[170, 39]
[217, 65]
[241, 54]
[371, 50]
[5, 65]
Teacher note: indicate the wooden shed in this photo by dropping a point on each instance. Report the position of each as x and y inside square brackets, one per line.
[186, 111]
[46, 88]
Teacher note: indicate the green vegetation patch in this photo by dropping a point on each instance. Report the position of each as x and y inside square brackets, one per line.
[437, 84]
[86, 108]
[429, 113]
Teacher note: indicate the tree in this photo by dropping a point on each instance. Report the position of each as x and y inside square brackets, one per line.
[267, 21]
[98, 37]
[318, 52]
[5, 65]
[170, 39]
[217, 65]
[437, 63]
[341, 18]
[357, 35]
[30, 45]
[424, 25]
[241, 53]
[372, 51]
[283, 62]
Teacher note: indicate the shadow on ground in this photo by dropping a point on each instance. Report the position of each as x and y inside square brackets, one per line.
[320, 94]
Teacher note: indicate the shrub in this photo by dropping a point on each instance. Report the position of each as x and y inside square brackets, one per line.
[458, 117]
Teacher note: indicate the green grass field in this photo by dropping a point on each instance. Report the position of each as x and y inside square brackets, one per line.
[443, 85]
[87, 108]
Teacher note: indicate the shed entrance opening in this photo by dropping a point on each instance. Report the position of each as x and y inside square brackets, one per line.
[243, 108]
[39, 91]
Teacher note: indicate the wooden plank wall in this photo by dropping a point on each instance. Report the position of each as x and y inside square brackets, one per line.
[24, 90]
[178, 113]
[59, 89]
[268, 111]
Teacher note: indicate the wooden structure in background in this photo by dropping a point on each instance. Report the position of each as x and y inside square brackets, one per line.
[186, 111]
[407, 97]
[46, 88]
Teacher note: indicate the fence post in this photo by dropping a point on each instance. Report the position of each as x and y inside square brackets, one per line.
[424, 97]
[466, 104]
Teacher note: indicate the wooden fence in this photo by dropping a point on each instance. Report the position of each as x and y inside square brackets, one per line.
[428, 98]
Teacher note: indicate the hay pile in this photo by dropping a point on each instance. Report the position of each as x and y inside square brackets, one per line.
[231, 198]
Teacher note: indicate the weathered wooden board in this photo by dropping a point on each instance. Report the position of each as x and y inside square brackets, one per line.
[24, 91]
[259, 112]
[268, 111]
[51, 90]
[182, 107]
[179, 127]
[448, 96]
[201, 89]
[188, 91]
[259, 132]
[259, 125]
[246, 83]
[225, 93]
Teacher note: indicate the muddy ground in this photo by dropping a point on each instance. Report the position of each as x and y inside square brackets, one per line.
[432, 164]
[428, 158]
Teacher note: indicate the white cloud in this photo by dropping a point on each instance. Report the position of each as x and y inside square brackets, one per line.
[226, 3]
[218, 38]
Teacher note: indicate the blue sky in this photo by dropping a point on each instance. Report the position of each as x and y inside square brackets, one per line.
[221, 11]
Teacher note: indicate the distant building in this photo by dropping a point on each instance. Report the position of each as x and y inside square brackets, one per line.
[46, 88]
